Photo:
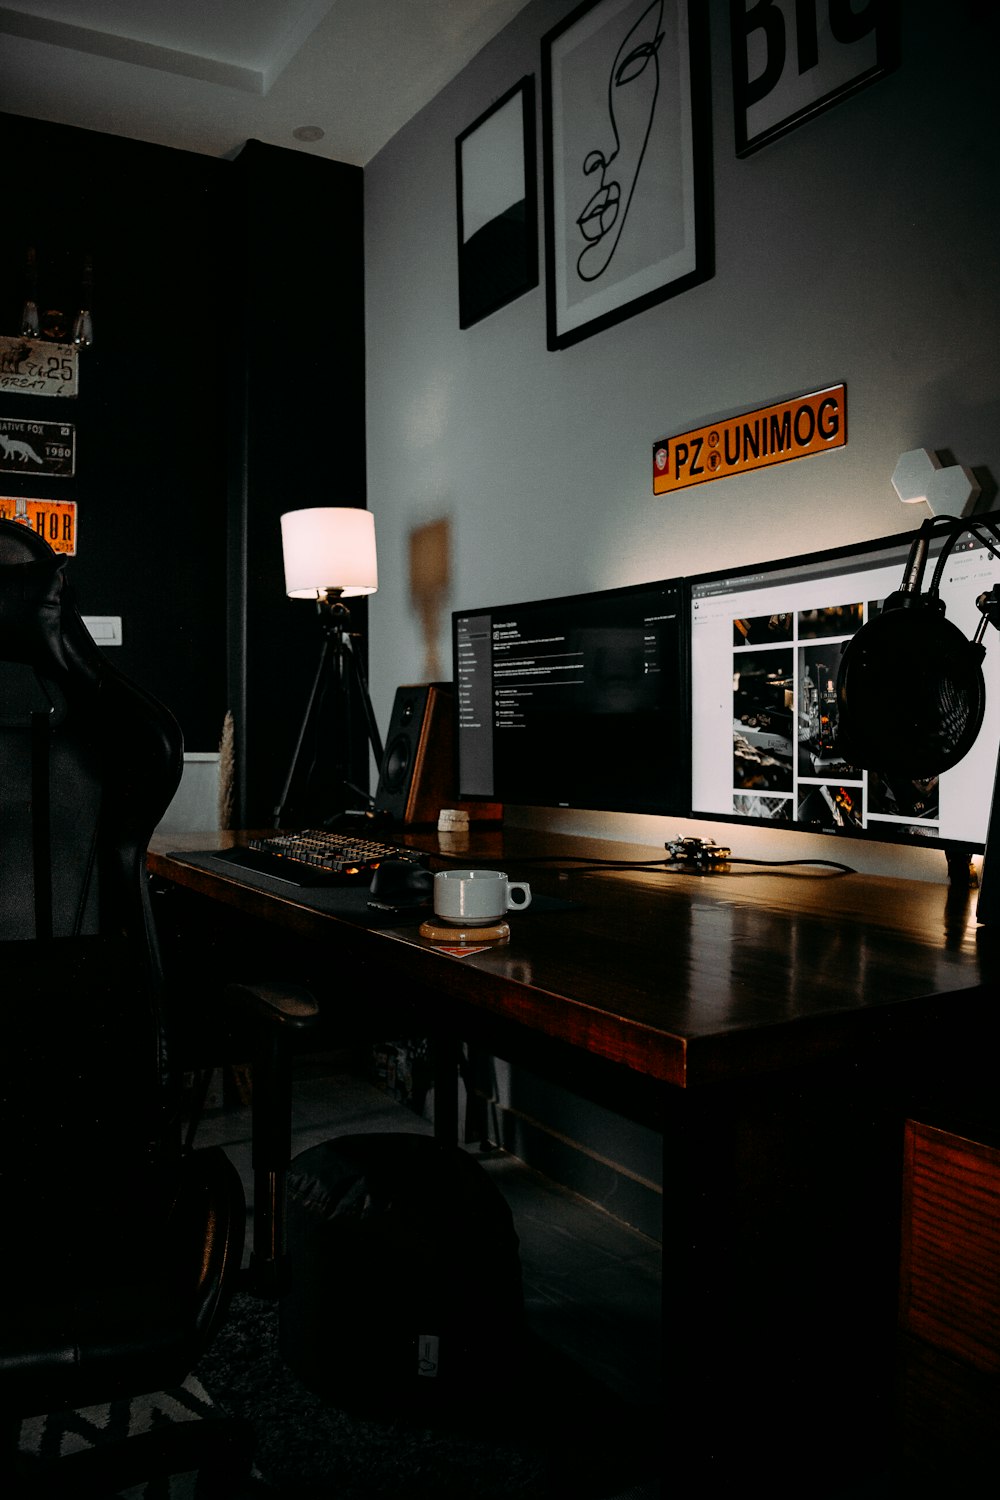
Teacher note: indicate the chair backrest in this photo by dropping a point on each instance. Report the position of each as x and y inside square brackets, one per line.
[88, 764]
[89, 760]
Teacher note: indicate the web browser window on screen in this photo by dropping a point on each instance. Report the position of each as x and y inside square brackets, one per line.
[765, 652]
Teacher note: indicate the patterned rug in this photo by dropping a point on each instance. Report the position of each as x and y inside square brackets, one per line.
[61, 1434]
[558, 1435]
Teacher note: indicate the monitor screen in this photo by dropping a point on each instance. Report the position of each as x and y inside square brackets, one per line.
[766, 643]
[575, 702]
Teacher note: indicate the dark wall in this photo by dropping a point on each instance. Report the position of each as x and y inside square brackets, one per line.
[224, 386]
[150, 482]
[299, 221]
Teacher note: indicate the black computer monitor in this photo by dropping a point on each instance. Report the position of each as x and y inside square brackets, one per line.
[766, 643]
[577, 702]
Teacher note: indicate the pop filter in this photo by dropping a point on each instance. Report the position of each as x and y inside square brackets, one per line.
[910, 689]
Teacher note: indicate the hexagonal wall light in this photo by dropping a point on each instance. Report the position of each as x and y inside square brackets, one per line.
[947, 490]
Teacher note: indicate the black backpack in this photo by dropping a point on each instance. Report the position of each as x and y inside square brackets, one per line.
[403, 1272]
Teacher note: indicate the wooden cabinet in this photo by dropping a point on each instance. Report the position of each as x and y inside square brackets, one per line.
[949, 1311]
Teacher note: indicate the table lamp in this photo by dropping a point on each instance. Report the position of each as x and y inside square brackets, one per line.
[329, 556]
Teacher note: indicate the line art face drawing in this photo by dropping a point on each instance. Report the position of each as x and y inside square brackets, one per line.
[625, 121]
[632, 94]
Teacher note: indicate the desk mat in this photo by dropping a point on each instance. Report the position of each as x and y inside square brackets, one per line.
[349, 902]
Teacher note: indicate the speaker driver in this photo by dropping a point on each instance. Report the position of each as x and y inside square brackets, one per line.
[396, 764]
[417, 762]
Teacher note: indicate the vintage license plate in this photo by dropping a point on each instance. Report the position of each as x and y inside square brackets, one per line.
[47, 448]
[33, 367]
[55, 520]
[770, 435]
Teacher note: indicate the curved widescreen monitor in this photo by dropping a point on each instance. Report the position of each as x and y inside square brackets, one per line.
[575, 702]
[766, 643]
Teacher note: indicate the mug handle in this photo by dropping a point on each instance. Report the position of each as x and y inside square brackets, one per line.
[525, 895]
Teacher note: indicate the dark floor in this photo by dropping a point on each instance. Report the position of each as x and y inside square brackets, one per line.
[592, 1284]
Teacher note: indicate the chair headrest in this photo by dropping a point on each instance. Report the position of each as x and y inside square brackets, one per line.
[38, 624]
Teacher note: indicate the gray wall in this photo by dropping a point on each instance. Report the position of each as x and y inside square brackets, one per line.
[860, 248]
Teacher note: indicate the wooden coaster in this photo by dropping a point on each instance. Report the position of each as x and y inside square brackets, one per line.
[441, 932]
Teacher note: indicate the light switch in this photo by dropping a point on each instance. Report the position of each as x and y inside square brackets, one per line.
[106, 629]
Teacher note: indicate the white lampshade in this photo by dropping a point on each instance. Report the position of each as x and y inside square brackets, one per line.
[329, 547]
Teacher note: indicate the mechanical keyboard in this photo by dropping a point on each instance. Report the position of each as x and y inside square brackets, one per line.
[317, 856]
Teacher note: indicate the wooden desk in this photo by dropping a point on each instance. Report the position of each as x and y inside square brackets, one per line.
[777, 1027]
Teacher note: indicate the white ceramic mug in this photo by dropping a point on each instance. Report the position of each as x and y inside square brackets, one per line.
[476, 898]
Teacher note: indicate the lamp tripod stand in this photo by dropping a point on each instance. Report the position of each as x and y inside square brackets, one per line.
[338, 669]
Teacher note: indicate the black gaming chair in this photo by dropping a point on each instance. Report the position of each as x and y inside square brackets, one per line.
[118, 1248]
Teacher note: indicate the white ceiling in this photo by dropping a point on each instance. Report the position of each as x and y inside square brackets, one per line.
[208, 75]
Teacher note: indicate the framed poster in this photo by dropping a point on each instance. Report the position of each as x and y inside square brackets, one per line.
[793, 58]
[627, 174]
[497, 201]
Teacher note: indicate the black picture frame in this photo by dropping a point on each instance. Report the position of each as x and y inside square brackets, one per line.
[497, 205]
[796, 58]
[627, 157]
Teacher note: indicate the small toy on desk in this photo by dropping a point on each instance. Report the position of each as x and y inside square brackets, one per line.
[701, 856]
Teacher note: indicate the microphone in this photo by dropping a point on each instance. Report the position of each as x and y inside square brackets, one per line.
[910, 689]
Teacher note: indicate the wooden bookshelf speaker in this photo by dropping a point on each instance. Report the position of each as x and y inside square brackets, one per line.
[417, 776]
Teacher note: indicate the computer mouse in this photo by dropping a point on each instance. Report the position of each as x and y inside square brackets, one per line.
[400, 882]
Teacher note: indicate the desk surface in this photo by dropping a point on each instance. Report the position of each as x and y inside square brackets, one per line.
[687, 979]
[772, 1025]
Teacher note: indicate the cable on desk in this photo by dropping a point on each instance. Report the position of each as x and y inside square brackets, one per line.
[587, 864]
[833, 865]
[584, 862]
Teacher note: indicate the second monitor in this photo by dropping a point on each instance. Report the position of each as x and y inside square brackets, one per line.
[766, 645]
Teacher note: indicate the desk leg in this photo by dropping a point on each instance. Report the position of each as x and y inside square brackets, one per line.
[697, 1174]
[780, 1222]
[271, 1151]
[444, 1054]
